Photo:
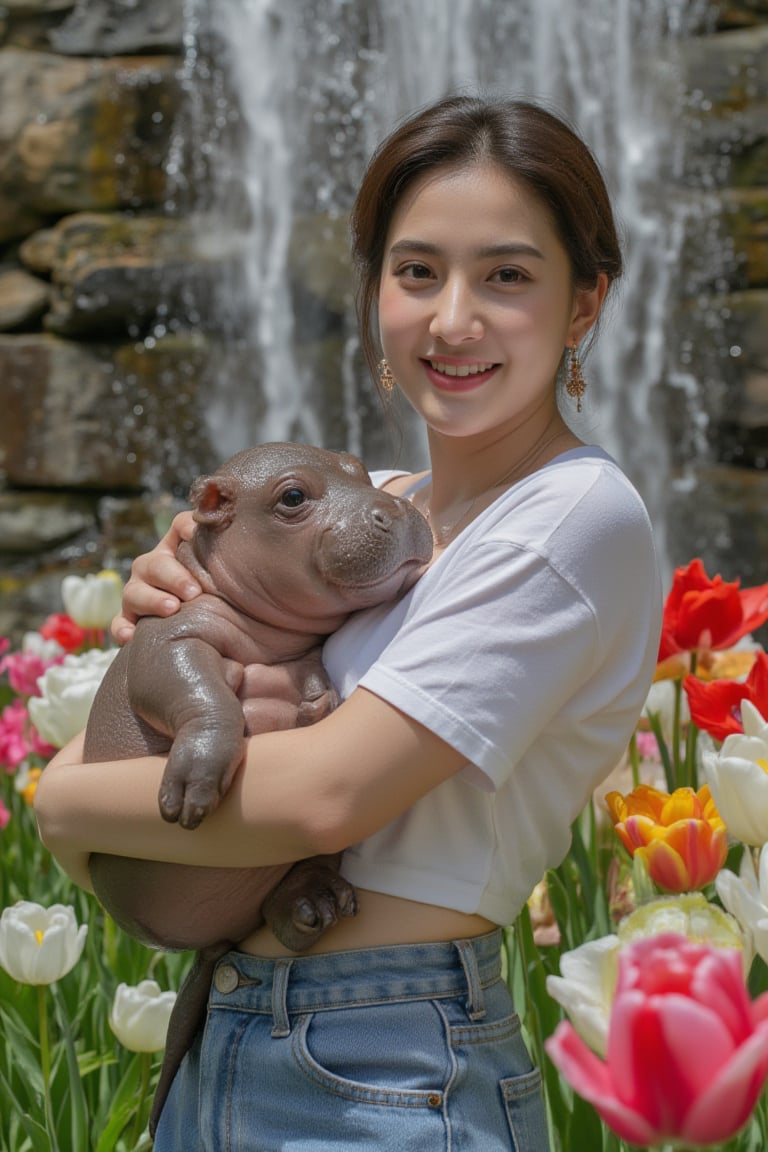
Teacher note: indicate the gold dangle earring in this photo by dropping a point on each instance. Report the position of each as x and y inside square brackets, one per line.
[386, 378]
[575, 385]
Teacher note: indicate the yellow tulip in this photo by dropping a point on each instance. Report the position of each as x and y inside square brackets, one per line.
[679, 836]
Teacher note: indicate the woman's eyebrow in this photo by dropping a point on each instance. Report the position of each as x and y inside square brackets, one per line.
[491, 251]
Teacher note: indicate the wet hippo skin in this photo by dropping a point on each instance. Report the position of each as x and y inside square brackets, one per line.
[289, 540]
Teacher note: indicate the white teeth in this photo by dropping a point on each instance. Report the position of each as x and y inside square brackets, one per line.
[459, 369]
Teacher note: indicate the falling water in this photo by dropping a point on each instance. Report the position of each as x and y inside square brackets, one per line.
[308, 87]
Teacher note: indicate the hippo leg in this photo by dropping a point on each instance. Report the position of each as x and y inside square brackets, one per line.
[308, 901]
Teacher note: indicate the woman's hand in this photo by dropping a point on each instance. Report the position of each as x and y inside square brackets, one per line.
[158, 582]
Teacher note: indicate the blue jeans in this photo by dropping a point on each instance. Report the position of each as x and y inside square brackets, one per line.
[411, 1048]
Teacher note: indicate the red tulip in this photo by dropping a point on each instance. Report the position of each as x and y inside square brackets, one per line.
[715, 705]
[687, 1048]
[700, 613]
[64, 631]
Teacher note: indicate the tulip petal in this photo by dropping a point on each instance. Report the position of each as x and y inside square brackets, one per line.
[683, 804]
[718, 984]
[696, 1045]
[585, 988]
[665, 866]
[725, 1107]
[740, 789]
[589, 1076]
[644, 1079]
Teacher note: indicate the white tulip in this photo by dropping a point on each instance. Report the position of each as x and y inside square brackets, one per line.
[46, 649]
[140, 1014]
[746, 897]
[586, 987]
[39, 945]
[92, 601]
[67, 691]
[738, 776]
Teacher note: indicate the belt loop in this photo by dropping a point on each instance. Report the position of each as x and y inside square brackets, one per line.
[475, 1005]
[281, 1023]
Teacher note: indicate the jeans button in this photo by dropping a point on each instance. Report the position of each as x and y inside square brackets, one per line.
[226, 978]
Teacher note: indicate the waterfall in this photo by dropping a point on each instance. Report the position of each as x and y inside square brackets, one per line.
[307, 88]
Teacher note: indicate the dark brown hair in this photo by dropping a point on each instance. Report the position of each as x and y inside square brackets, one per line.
[531, 144]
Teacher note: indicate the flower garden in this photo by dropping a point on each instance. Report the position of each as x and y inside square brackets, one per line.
[639, 966]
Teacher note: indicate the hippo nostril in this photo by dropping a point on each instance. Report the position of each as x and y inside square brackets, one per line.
[381, 519]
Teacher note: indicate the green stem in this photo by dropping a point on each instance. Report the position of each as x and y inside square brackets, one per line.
[679, 781]
[139, 1121]
[634, 760]
[690, 756]
[45, 1064]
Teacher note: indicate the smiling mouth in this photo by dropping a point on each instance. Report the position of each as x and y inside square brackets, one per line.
[461, 370]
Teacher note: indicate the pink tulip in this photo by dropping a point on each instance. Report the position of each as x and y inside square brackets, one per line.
[687, 1048]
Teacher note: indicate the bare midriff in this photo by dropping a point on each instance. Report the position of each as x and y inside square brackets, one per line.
[381, 920]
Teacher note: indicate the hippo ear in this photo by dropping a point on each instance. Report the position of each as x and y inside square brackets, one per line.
[213, 501]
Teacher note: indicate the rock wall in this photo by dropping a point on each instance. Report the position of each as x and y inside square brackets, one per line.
[108, 329]
[719, 511]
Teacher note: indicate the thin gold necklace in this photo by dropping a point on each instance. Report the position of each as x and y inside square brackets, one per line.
[444, 532]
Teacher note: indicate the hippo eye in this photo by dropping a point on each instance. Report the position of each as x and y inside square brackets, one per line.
[293, 498]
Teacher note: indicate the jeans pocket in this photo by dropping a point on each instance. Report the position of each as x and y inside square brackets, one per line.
[526, 1114]
[382, 1054]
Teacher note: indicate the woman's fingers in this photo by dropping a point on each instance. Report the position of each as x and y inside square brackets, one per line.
[158, 582]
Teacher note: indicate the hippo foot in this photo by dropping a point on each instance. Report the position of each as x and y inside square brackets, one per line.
[307, 902]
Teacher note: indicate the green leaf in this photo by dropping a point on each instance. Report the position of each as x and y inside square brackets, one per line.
[78, 1109]
[36, 1132]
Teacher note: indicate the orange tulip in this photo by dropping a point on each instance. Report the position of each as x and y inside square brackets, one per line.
[680, 837]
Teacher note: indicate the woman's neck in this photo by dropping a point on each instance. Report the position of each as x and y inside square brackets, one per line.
[466, 477]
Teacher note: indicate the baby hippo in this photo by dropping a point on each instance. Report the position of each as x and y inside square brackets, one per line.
[290, 539]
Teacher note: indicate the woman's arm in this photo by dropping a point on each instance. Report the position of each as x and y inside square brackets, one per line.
[299, 793]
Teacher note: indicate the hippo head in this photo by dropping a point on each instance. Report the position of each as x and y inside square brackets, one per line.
[289, 531]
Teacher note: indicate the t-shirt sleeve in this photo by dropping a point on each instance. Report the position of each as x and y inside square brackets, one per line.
[543, 630]
[490, 656]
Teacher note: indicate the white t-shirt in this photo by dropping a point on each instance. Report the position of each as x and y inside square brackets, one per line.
[529, 645]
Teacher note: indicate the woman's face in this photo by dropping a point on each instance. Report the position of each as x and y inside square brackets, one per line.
[476, 302]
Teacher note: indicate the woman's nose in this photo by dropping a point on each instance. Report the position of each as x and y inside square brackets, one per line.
[456, 317]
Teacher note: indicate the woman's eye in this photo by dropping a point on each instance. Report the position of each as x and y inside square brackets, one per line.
[293, 498]
[508, 276]
[414, 272]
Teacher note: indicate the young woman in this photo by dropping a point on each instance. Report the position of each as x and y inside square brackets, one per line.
[479, 711]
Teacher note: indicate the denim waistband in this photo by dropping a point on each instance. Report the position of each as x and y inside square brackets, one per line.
[291, 985]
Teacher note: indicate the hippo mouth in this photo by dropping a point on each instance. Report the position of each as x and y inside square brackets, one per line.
[390, 586]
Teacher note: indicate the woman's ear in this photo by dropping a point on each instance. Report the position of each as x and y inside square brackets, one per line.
[587, 303]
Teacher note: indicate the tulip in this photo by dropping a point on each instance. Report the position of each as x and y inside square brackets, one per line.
[687, 1049]
[587, 982]
[585, 988]
[704, 613]
[679, 837]
[738, 777]
[746, 898]
[716, 705]
[92, 601]
[690, 915]
[27, 779]
[39, 945]
[67, 692]
[63, 630]
[140, 1014]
